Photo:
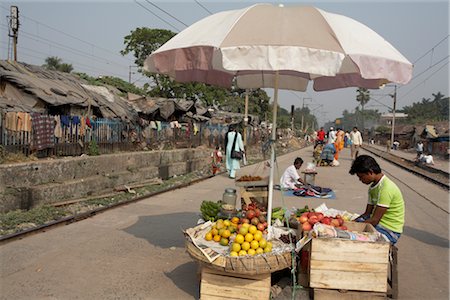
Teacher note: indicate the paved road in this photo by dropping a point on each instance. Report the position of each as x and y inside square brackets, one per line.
[137, 251]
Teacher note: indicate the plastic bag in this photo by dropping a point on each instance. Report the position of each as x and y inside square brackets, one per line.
[310, 167]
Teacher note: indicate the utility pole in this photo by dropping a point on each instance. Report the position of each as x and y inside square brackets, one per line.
[129, 72]
[14, 26]
[303, 113]
[394, 96]
[245, 118]
[292, 117]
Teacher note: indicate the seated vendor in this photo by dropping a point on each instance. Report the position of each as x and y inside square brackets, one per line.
[385, 209]
[327, 154]
[290, 178]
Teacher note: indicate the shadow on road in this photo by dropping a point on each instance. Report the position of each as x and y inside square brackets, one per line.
[183, 277]
[164, 231]
[426, 237]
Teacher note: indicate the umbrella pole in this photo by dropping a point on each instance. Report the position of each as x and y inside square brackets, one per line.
[272, 153]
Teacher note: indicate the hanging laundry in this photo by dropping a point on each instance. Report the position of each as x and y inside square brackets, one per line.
[23, 121]
[42, 131]
[65, 121]
[88, 122]
[11, 121]
[58, 129]
[196, 130]
[153, 125]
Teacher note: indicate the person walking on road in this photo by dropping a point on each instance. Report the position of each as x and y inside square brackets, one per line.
[233, 139]
[385, 209]
[320, 137]
[356, 140]
[331, 136]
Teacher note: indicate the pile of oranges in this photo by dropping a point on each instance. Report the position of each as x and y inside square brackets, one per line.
[222, 230]
[249, 241]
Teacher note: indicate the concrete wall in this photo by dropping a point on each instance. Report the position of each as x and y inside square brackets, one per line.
[26, 185]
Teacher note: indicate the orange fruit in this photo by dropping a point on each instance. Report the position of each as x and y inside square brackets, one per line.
[263, 243]
[243, 230]
[226, 223]
[258, 236]
[214, 231]
[226, 233]
[224, 242]
[235, 247]
[245, 246]
[233, 253]
[251, 252]
[254, 245]
[239, 239]
[235, 220]
[242, 253]
[217, 238]
[208, 236]
[252, 229]
[249, 237]
[259, 251]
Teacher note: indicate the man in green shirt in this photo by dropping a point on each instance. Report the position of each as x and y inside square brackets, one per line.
[385, 208]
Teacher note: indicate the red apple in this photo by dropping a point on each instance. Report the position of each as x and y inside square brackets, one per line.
[257, 212]
[245, 220]
[303, 219]
[320, 216]
[262, 219]
[326, 220]
[250, 214]
[305, 214]
[265, 224]
[335, 223]
[341, 222]
[313, 220]
[261, 227]
[306, 226]
[255, 221]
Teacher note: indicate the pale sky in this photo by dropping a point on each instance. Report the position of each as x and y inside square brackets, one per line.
[90, 34]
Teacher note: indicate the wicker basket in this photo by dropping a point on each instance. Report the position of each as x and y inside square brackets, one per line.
[248, 265]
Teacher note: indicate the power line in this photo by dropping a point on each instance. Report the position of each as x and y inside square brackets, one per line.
[425, 79]
[201, 5]
[166, 13]
[432, 49]
[157, 16]
[72, 36]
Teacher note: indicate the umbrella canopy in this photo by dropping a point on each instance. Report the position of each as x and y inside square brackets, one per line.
[266, 46]
[302, 43]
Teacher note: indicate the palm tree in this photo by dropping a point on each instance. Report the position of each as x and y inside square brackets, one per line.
[362, 97]
[55, 64]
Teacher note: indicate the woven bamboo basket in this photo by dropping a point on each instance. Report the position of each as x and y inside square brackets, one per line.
[247, 265]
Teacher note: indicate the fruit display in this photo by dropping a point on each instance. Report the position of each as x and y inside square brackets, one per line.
[210, 210]
[249, 241]
[222, 230]
[308, 219]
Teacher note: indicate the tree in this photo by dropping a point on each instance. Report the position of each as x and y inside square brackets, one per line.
[362, 97]
[429, 110]
[55, 64]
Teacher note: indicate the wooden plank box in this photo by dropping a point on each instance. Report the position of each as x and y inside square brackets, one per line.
[325, 294]
[347, 265]
[221, 285]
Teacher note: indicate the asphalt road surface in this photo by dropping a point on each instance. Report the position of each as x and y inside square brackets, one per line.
[137, 251]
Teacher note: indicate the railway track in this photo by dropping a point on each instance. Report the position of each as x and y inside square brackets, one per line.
[436, 176]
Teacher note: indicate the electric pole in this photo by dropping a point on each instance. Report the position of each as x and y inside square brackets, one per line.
[14, 26]
[394, 96]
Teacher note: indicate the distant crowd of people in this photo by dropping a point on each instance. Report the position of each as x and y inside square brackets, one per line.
[332, 142]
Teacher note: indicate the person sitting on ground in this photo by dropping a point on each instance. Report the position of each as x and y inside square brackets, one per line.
[291, 179]
[426, 159]
[419, 148]
[328, 152]
[385, 209]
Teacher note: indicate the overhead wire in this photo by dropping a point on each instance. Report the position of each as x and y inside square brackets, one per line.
[170, 15]
[201, 5]
[156, 15]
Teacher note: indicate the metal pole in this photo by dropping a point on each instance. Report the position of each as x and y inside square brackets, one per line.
[272, 153]
[303, 106]
[245, 118]
[129, 74]
[393, 115]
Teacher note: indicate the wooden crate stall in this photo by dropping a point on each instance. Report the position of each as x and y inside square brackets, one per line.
[346, 265]
[221, 285]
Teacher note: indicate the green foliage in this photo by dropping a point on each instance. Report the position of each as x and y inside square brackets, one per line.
[55, 64]
[144, 41]
[93, 148]
[429, 110]
[383, 129]
[38, 216]
[116, 82]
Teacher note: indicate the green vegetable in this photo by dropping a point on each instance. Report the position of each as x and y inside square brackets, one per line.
[210, 210]
[278, 213]
[302, 210]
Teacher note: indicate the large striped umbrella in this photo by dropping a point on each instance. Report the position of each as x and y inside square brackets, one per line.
[266, 46]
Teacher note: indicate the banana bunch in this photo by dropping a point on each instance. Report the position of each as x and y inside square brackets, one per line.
[210, 210]
[278, 213]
